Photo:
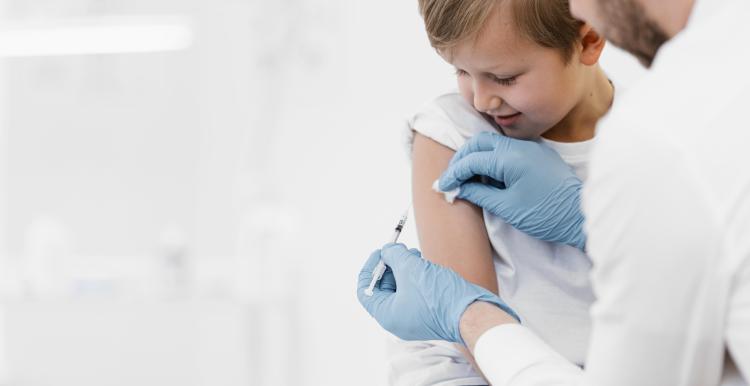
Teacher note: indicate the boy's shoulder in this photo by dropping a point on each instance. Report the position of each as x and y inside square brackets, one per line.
[450, 106]
[449, 120]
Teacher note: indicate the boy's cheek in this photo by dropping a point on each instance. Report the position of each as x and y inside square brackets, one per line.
[524, 101]
[464, 88]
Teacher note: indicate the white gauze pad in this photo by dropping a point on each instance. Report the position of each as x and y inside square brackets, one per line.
[450, 195]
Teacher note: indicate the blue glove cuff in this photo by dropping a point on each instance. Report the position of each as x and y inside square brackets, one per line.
[488, 298]
[496, 301]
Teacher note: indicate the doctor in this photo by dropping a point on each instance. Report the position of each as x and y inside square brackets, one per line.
[667, 209]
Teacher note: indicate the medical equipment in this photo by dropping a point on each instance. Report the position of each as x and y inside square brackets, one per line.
[379, 270]
[421, 309]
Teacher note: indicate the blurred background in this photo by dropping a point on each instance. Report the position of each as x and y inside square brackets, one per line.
[189, 188]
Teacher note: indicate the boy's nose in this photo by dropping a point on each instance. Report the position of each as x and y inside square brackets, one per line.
[487, 103]
[484, 98]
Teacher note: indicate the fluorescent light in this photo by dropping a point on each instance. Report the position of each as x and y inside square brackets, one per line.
[104, 35]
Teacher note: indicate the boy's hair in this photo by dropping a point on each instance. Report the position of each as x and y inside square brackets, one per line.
[546, 22]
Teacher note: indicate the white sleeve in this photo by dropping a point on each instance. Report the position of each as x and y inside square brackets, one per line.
[429, 363]
[652, 237]
[514, 355]
[449, 121]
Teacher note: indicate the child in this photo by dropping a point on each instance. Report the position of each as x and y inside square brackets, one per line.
[527, 69]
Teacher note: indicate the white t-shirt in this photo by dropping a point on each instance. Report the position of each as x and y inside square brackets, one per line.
[546, 284]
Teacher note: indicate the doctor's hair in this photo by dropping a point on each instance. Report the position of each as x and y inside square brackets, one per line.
[548, 23]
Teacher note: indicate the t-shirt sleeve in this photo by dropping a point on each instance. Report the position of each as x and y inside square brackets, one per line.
[429, 363]
[449, 120]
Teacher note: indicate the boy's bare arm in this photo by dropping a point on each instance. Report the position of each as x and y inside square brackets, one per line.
[452, 235]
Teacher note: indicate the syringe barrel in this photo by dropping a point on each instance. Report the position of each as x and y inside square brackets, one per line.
[378, 272]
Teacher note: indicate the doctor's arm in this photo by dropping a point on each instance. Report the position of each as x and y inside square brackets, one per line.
[656, 321]
[654, 316]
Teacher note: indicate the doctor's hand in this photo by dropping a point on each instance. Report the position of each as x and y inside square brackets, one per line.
[419, 300]
[541, 196]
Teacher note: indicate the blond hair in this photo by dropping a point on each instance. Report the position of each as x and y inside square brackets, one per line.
[546, 22]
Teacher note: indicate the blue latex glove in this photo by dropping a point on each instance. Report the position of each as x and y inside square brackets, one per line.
[542, 197]
[419, 300]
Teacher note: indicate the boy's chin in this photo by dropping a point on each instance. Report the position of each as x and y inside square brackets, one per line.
[516, 132]
[519, 133]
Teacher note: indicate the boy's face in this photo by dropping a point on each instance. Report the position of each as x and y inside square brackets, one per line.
[525, 88]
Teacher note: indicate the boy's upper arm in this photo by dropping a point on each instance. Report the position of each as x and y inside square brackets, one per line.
[452, 235]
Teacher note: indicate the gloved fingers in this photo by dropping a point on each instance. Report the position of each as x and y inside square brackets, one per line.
[397, 257]
[373, 304]
[365, 274]
[484, 196]
[388, 282]
[474, 164]
[377, 305]
[484, 141]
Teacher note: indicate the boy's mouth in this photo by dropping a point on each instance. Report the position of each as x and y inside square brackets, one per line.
[506, 120]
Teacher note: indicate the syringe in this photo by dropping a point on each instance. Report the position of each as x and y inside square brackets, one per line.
[379, 270]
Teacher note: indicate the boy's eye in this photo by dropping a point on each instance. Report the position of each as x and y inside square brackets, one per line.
[504, 81]
[460, 72]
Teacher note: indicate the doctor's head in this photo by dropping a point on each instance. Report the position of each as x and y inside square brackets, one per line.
[526, 64]
[640, 27]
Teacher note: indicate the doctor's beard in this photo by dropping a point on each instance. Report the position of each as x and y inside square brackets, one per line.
[629, 28]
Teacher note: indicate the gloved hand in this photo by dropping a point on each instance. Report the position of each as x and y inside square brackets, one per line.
[542, 197]
[419, 300]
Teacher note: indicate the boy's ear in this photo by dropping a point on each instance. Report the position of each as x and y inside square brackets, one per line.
[592, 45]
